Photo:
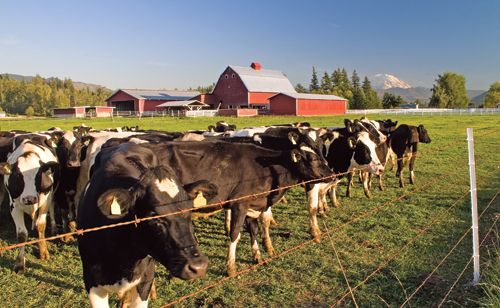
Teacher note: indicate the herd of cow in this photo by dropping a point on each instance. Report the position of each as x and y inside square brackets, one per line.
[84, 178]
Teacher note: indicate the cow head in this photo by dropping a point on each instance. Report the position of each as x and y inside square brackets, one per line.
[78, 150]
[307, 157]
[156, 191]
[422, 135]
[387, 126]
[28, 177]
[371, 127]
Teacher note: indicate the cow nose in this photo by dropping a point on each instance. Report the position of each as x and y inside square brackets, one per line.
[73, 163]
[383, 138]
[195, 268]
[30, 200]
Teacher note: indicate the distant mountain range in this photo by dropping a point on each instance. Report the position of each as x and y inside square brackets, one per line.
[383, 83]
[77, 84]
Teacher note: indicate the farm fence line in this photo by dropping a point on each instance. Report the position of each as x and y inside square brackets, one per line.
[427, 111]
[327, 232]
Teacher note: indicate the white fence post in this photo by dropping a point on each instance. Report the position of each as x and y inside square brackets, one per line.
[473, 196]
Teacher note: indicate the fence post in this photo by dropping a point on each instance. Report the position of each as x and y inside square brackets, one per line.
[473, 196]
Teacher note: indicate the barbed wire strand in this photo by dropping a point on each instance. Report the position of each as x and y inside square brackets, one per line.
[136, 220]
[466, 265]
[447, 255]
[402, 249]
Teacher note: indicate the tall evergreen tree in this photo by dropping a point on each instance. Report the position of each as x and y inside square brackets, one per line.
[355, 79]
[372, 100]
[326, 84]
[358, 100]
[314, 86]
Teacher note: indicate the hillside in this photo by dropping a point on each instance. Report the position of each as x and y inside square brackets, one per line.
[77, 84]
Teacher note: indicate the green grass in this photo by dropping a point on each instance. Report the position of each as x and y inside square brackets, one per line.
[311, 276]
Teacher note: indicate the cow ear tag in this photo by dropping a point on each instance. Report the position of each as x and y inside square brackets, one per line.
[115, 207]
[327, 142]
[200, 200]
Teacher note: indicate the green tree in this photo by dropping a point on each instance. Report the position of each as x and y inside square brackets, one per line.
[449, 92]
[492, 98]
[300, 88]
[326, 84]
[314, 85]
[358, 100]
[341, 85]
[30, 111]
[391, 101]
[372, 101]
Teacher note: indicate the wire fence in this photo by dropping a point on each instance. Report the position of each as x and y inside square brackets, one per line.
[328, 231]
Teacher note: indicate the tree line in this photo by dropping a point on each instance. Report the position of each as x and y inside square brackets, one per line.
[448, 91]
[39, 96]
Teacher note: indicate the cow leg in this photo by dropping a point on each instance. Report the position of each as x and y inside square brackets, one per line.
[349, 184]
[380, 182]
[98, 297]
[52, 217]
[333, 194]
[69, 216]
[227, 221]
[412, 164]
[360, 177]
[267, 219]
[253, 229]
[399, 172]
[313, 202]
[139, 295]
[366, 186]
[22, 236]
[237, 220]
[323, 204]
[369, 180]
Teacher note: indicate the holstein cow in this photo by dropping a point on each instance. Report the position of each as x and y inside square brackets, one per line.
[242, 169]
[31, 174]
[127, 183]
[383, 151]
[345, 149]
[404, 142]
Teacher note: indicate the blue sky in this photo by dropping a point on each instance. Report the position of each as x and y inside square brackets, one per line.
[177, 44]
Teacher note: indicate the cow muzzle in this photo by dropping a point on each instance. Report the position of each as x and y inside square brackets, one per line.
[29, 200]
[195, 267]
[73, 164]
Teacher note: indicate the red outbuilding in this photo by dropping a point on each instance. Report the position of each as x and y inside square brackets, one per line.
[304, 104]
[140, 101]
[247, 87]
[83, 111]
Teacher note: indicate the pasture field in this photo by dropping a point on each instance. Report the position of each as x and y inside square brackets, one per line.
[402, 238]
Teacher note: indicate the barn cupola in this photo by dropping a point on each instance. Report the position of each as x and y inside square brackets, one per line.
[256, 66]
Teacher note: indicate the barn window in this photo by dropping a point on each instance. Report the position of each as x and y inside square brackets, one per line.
[232, 75]
[226, 76]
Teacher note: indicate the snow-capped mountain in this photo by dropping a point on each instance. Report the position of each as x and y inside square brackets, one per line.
[386, 81]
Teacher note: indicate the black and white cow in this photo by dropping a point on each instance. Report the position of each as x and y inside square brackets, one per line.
[240, 169]
[404, 143]
[127, 183]
[346, 149]
[31, 175]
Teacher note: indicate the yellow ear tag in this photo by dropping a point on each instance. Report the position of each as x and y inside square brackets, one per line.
[199, 201]
[327, 142]
[115, 207]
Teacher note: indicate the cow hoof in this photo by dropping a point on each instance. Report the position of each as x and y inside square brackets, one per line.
[317, 239]
[231, 272]
[19, 269]
[273, 222]
[44, 255]
[381, 188]
[270, 251]
[257, 259]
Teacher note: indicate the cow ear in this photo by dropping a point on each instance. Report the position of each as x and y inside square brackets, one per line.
[257, 138]
[348, 125]
[413, 138]
[86, 140]
[115, 203]
[351, 143]
[295, 155]
[201, 192]
[5, 168]
[293, 137]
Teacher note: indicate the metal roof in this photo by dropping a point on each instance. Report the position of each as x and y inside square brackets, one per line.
[182, 103]
[311, 96]
[158, 94]
[263, 80]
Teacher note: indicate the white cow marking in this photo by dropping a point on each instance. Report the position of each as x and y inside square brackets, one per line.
[307, 149]
[169, 186]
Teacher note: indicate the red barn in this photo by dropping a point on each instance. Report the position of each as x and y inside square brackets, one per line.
[83, 111]
[247, 87]
[304, 104]
[140, 101]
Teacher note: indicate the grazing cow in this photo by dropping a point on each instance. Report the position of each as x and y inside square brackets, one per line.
[31, 174]
[242, 169]
[127, 183]
[404, 142]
